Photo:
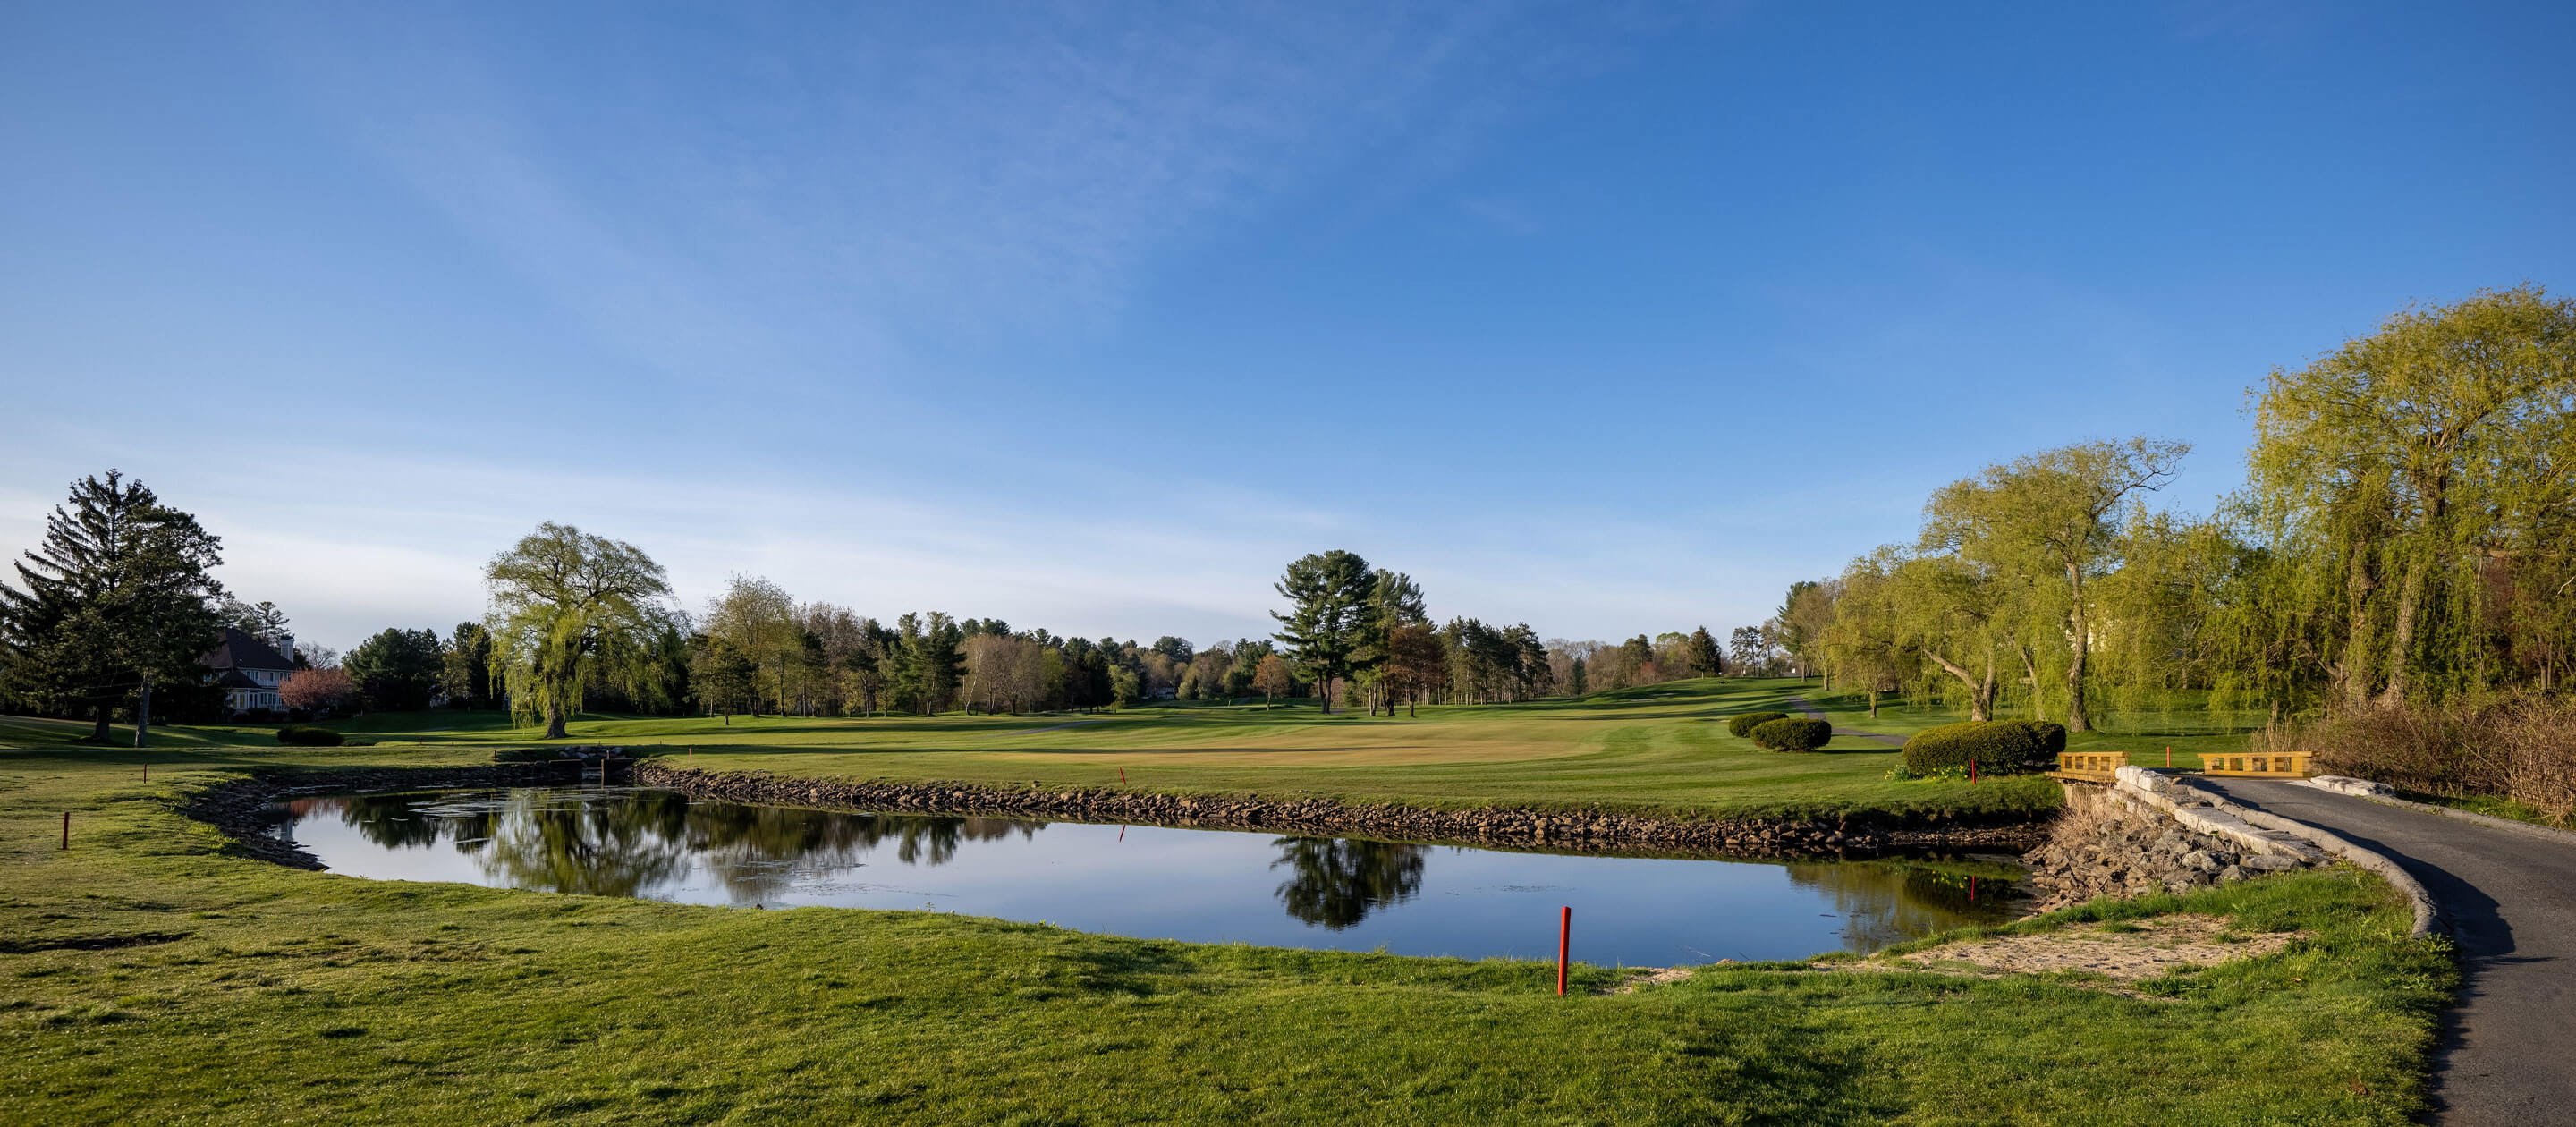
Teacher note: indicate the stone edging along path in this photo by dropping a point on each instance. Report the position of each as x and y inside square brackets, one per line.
[1505, 826]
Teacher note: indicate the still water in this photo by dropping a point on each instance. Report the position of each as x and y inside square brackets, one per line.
[1148, 881]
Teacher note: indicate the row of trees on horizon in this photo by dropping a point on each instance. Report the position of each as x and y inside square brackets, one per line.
[118, 605]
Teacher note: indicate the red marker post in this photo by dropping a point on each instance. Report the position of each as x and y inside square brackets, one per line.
[1972, 770]
[1564, 936]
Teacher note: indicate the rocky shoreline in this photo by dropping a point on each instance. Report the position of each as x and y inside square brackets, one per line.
[244, 809]
[2105, 847]
[1507, 827]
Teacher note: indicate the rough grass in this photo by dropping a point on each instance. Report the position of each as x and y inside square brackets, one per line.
[149, 978]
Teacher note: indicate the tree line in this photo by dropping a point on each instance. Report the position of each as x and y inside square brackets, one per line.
[116, 607]
[2405, 538]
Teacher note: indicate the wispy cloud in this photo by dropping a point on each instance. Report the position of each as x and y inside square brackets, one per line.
[890, 176]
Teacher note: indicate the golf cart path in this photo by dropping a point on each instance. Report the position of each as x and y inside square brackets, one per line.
[2510, 899]
[1800, 703]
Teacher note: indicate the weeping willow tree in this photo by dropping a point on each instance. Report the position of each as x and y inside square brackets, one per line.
[1865, 642]
[569, 610]
[2412, 495]
[2051, 523]
[1957, 613]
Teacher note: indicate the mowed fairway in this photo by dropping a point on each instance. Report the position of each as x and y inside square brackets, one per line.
[1661, 748]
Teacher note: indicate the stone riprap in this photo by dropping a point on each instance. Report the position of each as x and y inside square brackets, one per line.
[1606, 831]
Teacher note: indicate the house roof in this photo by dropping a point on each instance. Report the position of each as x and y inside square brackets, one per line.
[239, 650]
[236, 679]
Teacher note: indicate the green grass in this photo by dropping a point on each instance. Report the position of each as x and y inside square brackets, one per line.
[1661, 749]
[2493, 806]
[147, 977]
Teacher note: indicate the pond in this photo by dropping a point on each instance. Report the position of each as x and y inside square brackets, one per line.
[1199, 885]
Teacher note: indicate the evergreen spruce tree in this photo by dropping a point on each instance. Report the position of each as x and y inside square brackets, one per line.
[1705, 658]
[115, 600]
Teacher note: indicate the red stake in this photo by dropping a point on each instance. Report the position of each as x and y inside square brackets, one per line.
[2168, 755]
[147, 772]
[1972, 770]
[1972, 890]
[1122, 833]
[1122, 776]
[1564, 933]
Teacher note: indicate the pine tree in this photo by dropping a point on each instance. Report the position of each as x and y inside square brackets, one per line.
[1332, 596]
[1704, 656]
[115, 600]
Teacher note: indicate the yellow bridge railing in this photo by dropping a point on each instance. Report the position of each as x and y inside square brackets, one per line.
[2098, 766]
[2292, 766]
[2095, 765]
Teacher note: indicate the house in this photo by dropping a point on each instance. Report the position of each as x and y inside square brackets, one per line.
[248, 670]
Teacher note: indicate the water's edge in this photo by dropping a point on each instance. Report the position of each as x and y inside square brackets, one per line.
[1487, 827]
[243, 809]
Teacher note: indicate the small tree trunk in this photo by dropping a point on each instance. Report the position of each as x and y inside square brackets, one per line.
[2401, 639]
[2080, 641]
[2354, 670]
[99, 734]
[143, 712]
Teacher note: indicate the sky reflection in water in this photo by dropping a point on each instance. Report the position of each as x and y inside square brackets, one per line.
[1148, 881]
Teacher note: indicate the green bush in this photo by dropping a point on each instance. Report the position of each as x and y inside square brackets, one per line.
[1999, 747]
[306, 735]
[1744, 723]
[1792, 735]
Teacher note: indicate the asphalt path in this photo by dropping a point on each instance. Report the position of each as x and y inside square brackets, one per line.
[2508, 1051]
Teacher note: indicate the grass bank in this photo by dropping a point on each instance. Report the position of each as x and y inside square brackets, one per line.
[147, 977]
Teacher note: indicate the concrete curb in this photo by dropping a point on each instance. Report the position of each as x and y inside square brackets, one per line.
[2382, 794]
[2209, 814]
[2428, 914]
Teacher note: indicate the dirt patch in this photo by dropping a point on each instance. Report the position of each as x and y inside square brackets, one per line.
[1649, 976]
[2121, 952]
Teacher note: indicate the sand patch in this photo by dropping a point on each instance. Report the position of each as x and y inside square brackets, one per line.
[1650, 976]
[2128, 951]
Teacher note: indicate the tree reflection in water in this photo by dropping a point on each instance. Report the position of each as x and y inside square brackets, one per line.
[1884, 904]
[632, 842]
[1337, 880]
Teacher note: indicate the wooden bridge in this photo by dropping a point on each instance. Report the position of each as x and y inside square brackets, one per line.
[2097, 766]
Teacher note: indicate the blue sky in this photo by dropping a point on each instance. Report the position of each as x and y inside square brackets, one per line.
[1607, 318]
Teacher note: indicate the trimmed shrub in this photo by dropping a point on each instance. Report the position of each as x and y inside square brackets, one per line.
[305, 735]
[1999, 747]
[1792, 735]
[1744, 723]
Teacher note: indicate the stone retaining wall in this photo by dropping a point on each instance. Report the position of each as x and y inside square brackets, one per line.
[2140, 835]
